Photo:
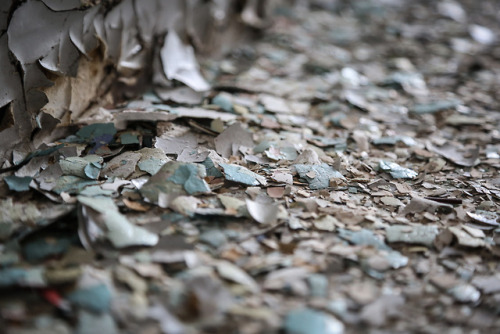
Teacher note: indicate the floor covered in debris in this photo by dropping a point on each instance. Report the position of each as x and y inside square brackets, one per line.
[341, 176]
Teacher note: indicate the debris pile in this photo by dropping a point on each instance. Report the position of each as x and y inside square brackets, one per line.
[342, 174]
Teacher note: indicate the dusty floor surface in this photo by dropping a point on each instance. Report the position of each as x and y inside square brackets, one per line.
[341, 177]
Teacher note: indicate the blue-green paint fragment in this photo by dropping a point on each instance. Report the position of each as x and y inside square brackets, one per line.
[187, 176]
[90, 132]
[366, 237]
[309, 321]
[151, 165]
[163, 107]
[211, 169]
[176, 178]
[363, 237]
[43, 247]
[152, 160]
[195, 185]
[151, 97]
[337, 144]
[396, 170]
[47, 151]
[289, 153]
[261, 147]
[97, 134]
[92, 170]
[323, 174]
[172, 217]
[433, 107]
[407, 81]
[18, 183]
[40, 153]
[416, 234]
[128, 139]
[32, 277]
[242, 175]
[318, 284]
[214, 238]
[337, 119]
[223, 102]
[11, 276]
[95, 298]
[282, 153]
[329, 107]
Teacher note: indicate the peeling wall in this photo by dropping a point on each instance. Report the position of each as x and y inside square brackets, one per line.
[60, 57]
